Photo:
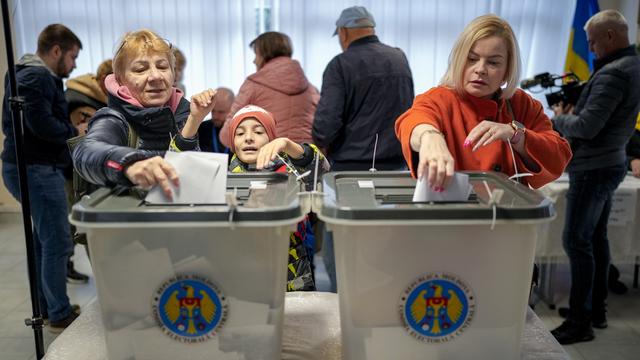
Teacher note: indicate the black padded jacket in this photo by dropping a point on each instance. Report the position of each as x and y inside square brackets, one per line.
[605, 115]
[103, 155]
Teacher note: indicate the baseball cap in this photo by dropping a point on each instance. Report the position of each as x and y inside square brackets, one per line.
[354, 17]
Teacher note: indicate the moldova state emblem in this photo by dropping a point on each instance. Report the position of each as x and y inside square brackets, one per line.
[189, 308]
[437, 307]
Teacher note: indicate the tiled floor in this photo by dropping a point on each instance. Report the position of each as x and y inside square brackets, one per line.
[620, 341]
[16, 339]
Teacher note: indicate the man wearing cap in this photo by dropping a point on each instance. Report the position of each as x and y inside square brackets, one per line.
[364, 90]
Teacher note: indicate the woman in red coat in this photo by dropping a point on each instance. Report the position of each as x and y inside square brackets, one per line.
[477, 119]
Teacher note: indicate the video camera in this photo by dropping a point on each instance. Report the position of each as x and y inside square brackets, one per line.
[569, 92]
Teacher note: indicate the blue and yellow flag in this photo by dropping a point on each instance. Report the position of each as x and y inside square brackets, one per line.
[579, 58]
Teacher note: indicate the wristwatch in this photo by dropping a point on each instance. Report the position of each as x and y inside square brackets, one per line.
[519, 131]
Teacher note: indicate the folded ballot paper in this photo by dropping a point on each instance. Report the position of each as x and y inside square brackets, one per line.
[458, 190]
[203, 179]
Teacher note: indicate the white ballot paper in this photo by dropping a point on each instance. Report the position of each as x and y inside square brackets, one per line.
[458, 190]
[203, 179]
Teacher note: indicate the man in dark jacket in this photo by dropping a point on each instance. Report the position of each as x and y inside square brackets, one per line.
[46, 130]
[364, 90]
[598, 130]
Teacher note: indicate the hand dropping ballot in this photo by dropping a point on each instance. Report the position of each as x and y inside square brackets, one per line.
[458, 190]
[203, 179]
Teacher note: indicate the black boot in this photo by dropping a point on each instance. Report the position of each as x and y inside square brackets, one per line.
[572, 332]
[74, 277]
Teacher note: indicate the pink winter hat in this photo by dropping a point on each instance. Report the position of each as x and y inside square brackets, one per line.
[252, 111]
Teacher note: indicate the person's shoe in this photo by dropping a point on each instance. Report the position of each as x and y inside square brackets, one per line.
[598, 320]
[563, 312]
[617, 287]
[74, 308]
[571, 332]
[74, 277]
[60, 325]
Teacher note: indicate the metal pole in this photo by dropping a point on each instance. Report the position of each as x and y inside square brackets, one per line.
[16, 102]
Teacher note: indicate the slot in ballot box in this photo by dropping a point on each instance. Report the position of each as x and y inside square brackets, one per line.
[193, 281]
[431, 280]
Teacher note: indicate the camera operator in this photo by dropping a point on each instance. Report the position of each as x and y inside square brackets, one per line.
[598, 129]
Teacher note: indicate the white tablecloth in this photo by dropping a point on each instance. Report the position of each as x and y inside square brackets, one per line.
[623, 230]
[311, 331]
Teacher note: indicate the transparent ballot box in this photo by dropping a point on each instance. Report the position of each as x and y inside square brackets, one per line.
[193, 281]
[428, 280]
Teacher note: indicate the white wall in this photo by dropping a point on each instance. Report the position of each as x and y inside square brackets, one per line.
[628, 8]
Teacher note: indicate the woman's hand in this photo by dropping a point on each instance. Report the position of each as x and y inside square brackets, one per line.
[269, 152]
[201, 105]
[487, 132]
[435, 160]
[152, 171]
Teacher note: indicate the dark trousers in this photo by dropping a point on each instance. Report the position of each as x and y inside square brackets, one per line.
[585, 237]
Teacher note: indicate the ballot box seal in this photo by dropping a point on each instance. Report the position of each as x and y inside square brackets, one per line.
[437, 307]
[190, 308]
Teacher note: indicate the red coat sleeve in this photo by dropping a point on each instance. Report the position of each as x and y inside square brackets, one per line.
[425, 110]
[544, 145]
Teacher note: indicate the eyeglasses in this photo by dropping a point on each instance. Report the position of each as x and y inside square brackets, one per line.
[147, 43]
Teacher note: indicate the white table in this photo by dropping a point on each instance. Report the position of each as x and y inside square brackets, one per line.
[311, 331]
[623, 229]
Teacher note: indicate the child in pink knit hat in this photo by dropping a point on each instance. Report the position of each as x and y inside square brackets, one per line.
[253, 141]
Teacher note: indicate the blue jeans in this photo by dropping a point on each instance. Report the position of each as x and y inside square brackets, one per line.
[585, 238]
[329, 258]
[52, 239]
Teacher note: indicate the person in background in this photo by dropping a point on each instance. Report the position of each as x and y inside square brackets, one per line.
[46, 130]
[598, 129]
[364, 89]
[209, 131]
[255, 147]
[85, 95]
[142, 99]
[181, 64]
[280, 87]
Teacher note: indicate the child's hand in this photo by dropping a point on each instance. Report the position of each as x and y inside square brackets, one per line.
[201, 104]
[269, 152]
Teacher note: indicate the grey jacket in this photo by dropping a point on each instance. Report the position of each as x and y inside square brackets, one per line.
[605, 115]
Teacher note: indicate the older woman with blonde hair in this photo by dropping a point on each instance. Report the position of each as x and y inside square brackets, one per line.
[477, 119]
[143, 103]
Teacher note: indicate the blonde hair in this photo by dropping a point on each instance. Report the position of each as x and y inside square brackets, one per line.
[483, 27]
[105, 68]
[135, 43]
[181, 60]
